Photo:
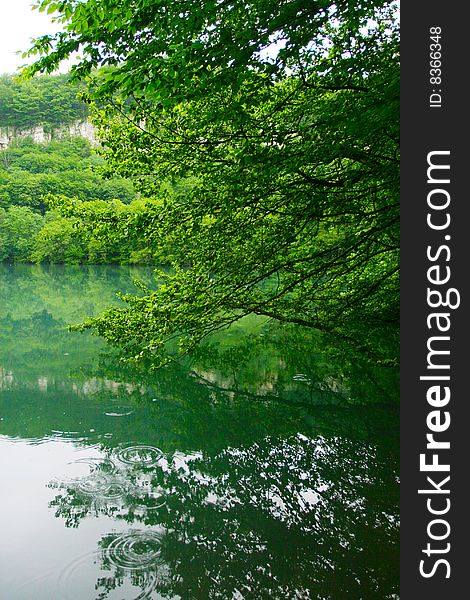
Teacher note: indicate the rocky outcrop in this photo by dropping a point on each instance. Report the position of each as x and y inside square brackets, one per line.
[41, 134]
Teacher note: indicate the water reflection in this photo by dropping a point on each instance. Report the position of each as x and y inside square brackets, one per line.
[265, 466]
[281, 518]
[135, 554]
[37, 304]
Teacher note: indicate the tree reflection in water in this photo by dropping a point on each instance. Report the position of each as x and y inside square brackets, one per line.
[284, 483]
[281, 518]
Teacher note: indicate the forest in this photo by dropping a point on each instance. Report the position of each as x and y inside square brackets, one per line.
[262, 149]
[47, 101]
[199, 303]
[66, 165]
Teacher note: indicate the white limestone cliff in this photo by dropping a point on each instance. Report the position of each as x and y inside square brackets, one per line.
[41, 134]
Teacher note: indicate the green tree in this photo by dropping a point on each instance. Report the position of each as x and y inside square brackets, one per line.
[29, 171]
[59, 242]
[46, 100]
[18, 228]
[285, 116]
[99, 227]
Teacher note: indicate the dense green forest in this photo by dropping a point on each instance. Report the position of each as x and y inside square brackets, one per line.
[281, 118]
[48, 101]
[30, 231]
[68, 166]
[230, 236]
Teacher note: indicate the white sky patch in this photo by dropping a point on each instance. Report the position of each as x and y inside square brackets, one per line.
[270, 52]
[19, 24]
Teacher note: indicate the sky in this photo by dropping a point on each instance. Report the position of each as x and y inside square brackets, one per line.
[18, 24]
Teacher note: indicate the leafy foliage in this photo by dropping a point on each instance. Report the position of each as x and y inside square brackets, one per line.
[30, 171]
[47, 100]
[18, 228]
[29, 231]
[285, 117]
[278, 463]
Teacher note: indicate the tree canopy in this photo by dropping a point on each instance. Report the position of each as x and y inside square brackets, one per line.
[49, 101]
[283, 116]
[29, 171]
[29, 231]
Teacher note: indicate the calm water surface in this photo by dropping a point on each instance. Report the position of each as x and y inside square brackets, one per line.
[265, 467]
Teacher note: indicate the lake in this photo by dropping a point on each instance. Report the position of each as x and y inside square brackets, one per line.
[265, 466]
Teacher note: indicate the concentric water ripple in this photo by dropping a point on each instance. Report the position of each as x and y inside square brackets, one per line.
[102, 485]
[142, 456]
[135, 550]
[119, 414]
[152, 500]
[303, 377]
[84, 468]
[76, 576]
[75, 572]
[126, 478]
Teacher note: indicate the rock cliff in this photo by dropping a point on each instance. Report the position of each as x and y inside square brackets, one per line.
[41, 134]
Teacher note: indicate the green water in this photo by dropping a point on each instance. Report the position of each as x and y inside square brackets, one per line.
[264, 467]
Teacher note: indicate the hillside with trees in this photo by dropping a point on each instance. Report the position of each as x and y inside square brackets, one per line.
[227, 426]
[67, 165]
[49, 101]
[29, 230]
[285, 115]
